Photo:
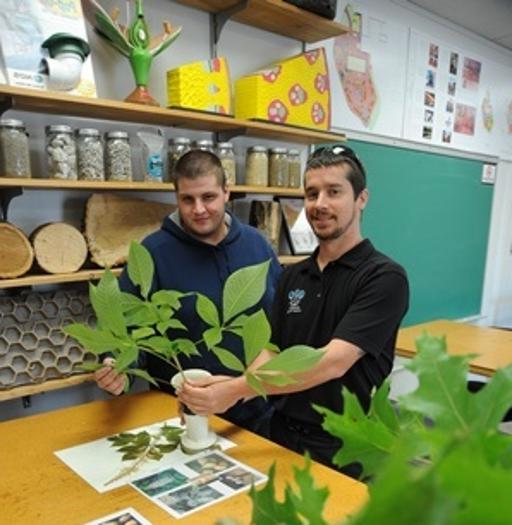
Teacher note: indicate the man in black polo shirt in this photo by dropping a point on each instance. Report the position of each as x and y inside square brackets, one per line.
[347, 298]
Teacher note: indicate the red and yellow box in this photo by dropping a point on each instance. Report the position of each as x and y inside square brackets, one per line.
[292, 91]
[203, 85]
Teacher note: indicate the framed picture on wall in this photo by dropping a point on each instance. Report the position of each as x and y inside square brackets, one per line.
[299, 234]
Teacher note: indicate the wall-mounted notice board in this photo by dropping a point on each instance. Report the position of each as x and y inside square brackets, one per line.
[431, 213]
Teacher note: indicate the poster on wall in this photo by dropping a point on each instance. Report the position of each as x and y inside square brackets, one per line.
[364, 65]
[24, 26]
[453, 98]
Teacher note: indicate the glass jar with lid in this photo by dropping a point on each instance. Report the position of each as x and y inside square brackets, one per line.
[294, 168]
[278, 168]
[61, 152]
[14, 150]
[256, 166]
[118, 156]
[90, 155]
[226, 155]
[177, 148]
[205, 145]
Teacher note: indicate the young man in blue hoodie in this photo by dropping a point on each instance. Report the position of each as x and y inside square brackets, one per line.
[196, 249]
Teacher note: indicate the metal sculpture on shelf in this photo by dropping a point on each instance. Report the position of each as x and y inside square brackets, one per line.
[134, 42]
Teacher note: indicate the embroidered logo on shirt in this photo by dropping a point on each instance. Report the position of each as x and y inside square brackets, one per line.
[294, 298]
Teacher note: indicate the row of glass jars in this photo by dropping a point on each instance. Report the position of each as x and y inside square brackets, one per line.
[263, 167]
[86, 158]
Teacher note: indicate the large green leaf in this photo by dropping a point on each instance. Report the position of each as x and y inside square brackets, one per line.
[94, 340]
[143, 315]
[294, 360]
[128, 357]
[160, 344]
[244, 289]
[368, 439]
[106, 299]
[212, 336]
[303, 506]
[137, 372]
[255, 335]
[140, 268]
[207, 310]
[309, 500]
[228, 359]
[169, 298]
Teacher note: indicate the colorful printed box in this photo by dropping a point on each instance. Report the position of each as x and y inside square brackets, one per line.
[201, 85]
[291, 91]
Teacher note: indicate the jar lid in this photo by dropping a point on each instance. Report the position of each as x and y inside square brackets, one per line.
[117, 135]
[205, 142]
[293, 152]
[278, 150]
[257, 149]
[179, 140]
[88, 132]
[59, 128]
[224, 145]
[11, 123]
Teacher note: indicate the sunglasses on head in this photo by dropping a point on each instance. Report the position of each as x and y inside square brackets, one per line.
[338, 151]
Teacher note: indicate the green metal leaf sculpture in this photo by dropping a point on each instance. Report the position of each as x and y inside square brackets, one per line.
[133, 42]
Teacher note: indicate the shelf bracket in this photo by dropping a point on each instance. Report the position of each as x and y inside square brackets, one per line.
[225, 136]
[218, 21]
[6, 195]
[6, 104]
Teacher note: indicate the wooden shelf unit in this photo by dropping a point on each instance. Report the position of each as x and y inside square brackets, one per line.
[47, 386]
[23, 99]
[53, 184]
[275, 16]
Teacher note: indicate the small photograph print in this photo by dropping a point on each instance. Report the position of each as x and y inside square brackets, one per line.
[464, 119]
[127, 516]
[430, 99]
[210, 464]
[431, 79]
[471, 74]
[449, 106]
[454, 63]
[429, 116]
[452, 86]
[433, 55]
[239, 478]
[160, 482]
[446, 136]
[427, 132]
[189, 498]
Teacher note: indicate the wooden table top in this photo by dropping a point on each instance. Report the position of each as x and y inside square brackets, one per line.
[493, 346]
[36, 487]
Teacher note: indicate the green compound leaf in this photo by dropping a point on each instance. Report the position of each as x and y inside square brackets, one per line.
[140, 268]
[255, 335]
[228, 359]
[244, 289]
[294, 360]
[105, 299]
[207, 310]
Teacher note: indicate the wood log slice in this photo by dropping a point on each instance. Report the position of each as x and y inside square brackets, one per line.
[16, 254]
[59, 247]
[113, 221]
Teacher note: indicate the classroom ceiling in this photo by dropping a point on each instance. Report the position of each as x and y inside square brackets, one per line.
[491, 19]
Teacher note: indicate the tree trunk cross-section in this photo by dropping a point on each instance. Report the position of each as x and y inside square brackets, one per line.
[16, 254]
[59, 247]
[112, 222]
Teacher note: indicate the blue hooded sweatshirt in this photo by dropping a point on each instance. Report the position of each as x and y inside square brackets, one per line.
[185, 263]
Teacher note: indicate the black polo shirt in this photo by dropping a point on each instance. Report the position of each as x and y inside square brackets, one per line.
[360, 298]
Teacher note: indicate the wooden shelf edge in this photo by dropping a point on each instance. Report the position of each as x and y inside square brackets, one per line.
[47, 386]
[57, 278]
[25, 99]
[52, 184]
[277, 17]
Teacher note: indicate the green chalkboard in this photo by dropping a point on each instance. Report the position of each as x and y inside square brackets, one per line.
[430, 213]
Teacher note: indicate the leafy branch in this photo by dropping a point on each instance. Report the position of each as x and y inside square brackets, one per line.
[128, 324]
